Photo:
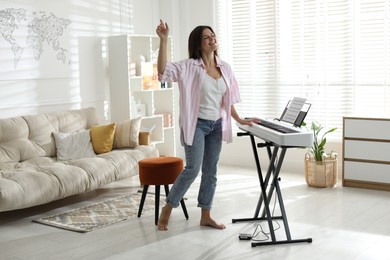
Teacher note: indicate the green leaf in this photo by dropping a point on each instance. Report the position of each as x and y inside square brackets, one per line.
[318, 147]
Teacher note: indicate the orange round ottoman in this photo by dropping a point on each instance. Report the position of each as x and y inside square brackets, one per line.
[159, 171]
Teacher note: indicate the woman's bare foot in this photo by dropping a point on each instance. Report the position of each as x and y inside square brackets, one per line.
[164, 217]
[206, 220]
[212, 223]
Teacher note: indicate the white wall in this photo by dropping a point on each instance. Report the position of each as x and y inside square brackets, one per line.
[47, 84]
[35, 86]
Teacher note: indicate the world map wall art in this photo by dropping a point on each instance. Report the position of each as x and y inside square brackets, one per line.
[27, 36]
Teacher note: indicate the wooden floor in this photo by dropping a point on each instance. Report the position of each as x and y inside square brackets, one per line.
[345, 223]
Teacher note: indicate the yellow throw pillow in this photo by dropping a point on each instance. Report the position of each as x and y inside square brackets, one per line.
[102, 137]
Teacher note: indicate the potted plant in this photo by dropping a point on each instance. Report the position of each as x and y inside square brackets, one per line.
[320, 167]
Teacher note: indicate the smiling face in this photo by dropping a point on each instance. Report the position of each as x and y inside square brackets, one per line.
[209, 41]
[201, 41]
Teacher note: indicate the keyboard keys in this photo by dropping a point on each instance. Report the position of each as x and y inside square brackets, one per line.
[277, 127]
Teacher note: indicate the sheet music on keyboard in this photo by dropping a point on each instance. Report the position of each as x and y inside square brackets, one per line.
[293, 110]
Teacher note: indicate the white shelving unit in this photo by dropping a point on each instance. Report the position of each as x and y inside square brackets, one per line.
[127, 82]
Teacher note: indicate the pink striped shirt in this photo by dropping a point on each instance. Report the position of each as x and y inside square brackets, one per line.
[189, 74]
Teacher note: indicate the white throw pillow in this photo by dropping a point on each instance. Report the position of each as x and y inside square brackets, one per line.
[75, 145]
[127, 132]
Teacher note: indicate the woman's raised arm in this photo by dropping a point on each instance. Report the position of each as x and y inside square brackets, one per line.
[162, 32]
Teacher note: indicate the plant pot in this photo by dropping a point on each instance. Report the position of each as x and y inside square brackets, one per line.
[320, 174]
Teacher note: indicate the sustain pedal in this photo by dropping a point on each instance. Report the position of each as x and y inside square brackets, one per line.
[245, 236]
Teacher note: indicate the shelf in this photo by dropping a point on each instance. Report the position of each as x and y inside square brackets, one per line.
[127, 83]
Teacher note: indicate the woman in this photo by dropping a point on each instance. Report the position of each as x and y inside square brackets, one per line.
[208, 92]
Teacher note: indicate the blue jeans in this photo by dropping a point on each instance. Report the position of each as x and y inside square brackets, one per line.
[204, 152]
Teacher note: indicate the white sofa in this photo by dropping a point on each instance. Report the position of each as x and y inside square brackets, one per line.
[30, 172]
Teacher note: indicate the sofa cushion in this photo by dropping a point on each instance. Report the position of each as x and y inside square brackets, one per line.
[126, 133]
[13, 128]
[14, 143]
[20, 150]
[42, 126]
[27, 163]
[71, 146]
[102, 138]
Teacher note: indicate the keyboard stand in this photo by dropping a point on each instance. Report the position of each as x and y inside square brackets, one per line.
[273, 176]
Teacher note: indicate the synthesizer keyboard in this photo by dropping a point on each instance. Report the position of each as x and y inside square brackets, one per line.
[283, 135]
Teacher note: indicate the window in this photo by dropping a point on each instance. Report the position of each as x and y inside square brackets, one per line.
[335, 53]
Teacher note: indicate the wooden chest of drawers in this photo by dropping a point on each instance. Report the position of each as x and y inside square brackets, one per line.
[366, 152]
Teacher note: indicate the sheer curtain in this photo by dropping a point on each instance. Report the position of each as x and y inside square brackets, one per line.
[335, 53]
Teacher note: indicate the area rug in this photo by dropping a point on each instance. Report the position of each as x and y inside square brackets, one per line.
[98, 215]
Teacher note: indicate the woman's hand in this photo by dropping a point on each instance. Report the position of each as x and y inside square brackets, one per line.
[249, 121]
[245, 121]
[162, 30]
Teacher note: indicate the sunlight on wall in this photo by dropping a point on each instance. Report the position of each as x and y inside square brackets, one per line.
[50, 80]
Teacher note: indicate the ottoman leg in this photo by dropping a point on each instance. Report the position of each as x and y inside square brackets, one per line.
[141, 206]
[157, 203]
[166, 187]
[183, 205]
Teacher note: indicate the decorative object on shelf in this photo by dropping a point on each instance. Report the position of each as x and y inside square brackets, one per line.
[140, 109]
[149, 76]
[167, 119]
[320, 167]
[144, 138]
[133, 107]
[140, 60]
[145, 135]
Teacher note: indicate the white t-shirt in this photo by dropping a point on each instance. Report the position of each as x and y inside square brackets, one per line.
[211, 100]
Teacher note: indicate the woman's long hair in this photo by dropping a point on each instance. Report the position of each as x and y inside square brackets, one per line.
[195, 41]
